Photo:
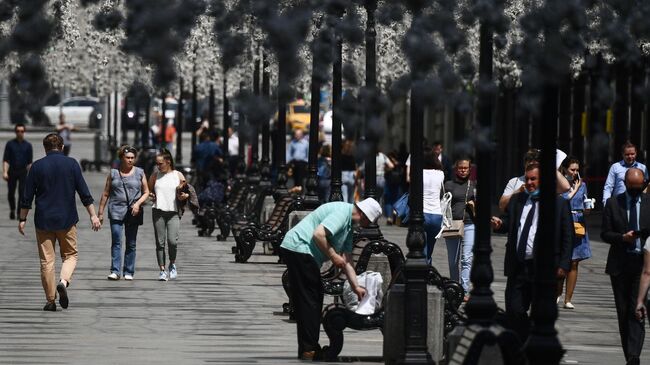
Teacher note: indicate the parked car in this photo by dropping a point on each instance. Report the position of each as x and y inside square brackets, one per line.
[76, 110]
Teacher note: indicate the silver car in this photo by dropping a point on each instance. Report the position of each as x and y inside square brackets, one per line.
[76, 110]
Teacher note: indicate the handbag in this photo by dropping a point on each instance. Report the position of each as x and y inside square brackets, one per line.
[129, 218]
[579, 229]
[401, 208]
[457, 227]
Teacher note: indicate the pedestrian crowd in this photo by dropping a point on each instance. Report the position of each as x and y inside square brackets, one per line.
[449, 207]
[52, 182]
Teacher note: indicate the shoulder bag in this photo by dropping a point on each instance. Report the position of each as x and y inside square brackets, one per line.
[129, 218]
[457, 228]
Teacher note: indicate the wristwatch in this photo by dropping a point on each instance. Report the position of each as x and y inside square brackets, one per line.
[22, 220]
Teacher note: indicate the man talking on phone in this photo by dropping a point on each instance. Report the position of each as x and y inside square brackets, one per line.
[626, 220]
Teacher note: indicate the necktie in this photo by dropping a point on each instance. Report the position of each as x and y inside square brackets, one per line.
[523, 239]
[633, 223]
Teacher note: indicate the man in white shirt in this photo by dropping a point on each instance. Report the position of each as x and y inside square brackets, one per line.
[233, 150]
[516, 184]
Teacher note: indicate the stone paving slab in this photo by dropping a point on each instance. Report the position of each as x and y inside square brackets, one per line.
[217, 312]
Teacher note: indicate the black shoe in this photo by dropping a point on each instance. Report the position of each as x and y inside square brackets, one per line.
[50, 307]
[63, 295]
[12, 215]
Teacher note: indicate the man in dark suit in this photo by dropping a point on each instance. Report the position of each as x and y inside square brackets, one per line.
[520, 223]
[625, 219]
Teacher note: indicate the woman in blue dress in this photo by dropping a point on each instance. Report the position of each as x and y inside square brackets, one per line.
[581, 251]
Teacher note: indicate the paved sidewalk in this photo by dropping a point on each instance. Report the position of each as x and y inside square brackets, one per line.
[217, 311]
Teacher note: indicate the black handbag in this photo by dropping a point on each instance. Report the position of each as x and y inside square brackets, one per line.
[129, 218]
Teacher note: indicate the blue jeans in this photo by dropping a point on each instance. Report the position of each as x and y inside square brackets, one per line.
[347, 186]
[432, 223]
[391, 194]
[454, 255]
[131, 233]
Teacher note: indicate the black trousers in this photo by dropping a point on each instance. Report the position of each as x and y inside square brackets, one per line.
[519, 293]
[299, 172]
[626, 288]
[306, 290]
[17, 178]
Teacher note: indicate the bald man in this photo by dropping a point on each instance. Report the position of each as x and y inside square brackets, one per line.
[626, 221]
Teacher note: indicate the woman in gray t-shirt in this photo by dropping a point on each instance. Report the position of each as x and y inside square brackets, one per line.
[126, 188]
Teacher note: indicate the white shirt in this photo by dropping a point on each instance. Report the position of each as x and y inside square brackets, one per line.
[233, 145]
[513, 185]
[408, 159]
[380, 162]
[533, 227]
[432, 184]
[165, 190]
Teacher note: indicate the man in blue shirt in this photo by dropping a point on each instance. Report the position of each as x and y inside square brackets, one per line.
[298, 156]
[325, 234]
[54, 180]
[615, 183]
[205, 155]
[16, 161]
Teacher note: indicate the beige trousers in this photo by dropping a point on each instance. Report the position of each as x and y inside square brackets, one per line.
[46, 251]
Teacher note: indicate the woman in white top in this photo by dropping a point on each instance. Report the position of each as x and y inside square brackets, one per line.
[165, 185]
[432, 180]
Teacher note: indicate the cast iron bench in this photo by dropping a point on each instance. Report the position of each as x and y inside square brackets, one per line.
[272, 231]
[226, 215]
[336, 317]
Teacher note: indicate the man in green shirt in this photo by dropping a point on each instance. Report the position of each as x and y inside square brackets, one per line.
[325, 234]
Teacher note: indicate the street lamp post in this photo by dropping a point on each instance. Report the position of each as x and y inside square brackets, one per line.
[226, 126]
[195, 109]
[266, 92]
[254, 168]
[179, 125]
[337, 89]
[371, 232]
[211, 108]
[163, 121]
[543, 346]
[416, 269]
[311, 196]
[281, 132]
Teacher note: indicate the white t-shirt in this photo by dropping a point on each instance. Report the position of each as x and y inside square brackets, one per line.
[513, 185]
[165, 190]
[233, 145]
[380, 161]
[432, 184]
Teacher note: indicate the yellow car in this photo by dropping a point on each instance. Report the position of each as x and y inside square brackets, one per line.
[298, 115]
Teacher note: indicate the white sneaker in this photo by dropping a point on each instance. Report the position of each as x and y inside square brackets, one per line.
[568, 305]
[113, 276]
[128, 277]
[162, 276]
[173, 274]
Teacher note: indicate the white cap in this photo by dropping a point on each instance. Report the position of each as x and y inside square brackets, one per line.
[371, 208]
